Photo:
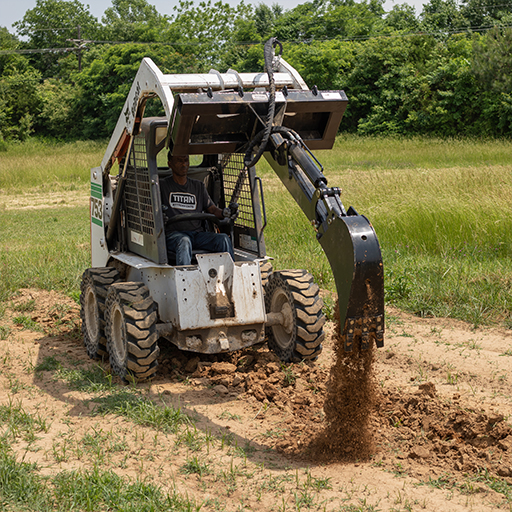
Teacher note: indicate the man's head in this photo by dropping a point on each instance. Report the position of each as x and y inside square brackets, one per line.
[179, 165]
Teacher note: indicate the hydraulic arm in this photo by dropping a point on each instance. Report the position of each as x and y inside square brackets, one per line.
[348, 240]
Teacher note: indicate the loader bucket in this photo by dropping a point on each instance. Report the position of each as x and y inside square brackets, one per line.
[353, 251]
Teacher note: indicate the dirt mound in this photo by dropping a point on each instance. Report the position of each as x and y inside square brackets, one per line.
[47, 311]
[423, 427]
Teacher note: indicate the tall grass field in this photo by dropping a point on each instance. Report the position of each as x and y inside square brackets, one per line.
[441, 210]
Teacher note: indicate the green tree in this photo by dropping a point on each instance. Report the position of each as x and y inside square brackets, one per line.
[205, 32]
[107, 78]
[492, 68]
[442, 16]
[133, 20]
[325, 19]
[58, 116]
[49, 26]
[322, 63]
[402, 18]
[265, 18]
[487, 13]
[492, 60]
[8, 46]
[20, 102]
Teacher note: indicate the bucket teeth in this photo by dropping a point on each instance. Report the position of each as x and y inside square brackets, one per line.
[364, 330]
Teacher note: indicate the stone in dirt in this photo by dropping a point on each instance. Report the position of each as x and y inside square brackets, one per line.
[429, 389]
[419, 452]
[223, 368]
[220, 389]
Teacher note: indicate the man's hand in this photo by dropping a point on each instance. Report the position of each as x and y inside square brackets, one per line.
[231, 212]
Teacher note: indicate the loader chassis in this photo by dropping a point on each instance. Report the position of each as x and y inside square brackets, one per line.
[135, 295]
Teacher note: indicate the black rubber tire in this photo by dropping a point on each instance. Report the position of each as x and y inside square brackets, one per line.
[93, 293]
[294, 291]
[265, 270]
[131, 315]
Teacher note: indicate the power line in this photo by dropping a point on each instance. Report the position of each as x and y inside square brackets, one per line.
[81, 43]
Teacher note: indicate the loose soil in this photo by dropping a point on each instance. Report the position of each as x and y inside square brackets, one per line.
[419, 425]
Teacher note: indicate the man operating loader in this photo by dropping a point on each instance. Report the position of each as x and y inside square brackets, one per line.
[183, 195]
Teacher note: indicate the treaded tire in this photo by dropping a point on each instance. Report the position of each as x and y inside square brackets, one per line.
[93, 293]
[131, 316]
[265, 270]
[294, 293]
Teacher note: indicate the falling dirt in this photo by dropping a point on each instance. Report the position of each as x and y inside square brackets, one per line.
[422, 424]
[350, 403]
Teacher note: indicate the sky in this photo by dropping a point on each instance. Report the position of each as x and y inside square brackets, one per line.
[14, 10]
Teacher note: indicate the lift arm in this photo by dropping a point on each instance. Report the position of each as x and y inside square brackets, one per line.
[348, 240]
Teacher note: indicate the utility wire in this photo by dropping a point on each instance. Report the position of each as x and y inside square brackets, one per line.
[460, 30]
[460, 7]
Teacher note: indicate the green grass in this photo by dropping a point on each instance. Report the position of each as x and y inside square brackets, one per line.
[46, 166]
[440, 209]
[45, 248]
[142, 411]
[23, 488]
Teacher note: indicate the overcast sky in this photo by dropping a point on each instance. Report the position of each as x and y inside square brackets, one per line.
[14, 10]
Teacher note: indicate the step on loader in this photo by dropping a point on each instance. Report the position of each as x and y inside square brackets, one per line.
[134, 294]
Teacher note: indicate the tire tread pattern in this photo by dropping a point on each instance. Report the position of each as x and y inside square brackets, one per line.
[307, 333]
[100, 278]
[140, 315]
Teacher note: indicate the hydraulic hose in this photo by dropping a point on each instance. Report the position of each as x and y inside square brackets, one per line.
[265, 133]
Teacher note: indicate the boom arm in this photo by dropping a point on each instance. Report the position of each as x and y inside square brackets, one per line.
[348, 240]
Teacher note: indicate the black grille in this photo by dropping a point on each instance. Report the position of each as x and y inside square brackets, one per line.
[138, 202]
[236, 177]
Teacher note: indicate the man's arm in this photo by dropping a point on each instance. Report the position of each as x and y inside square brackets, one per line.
[216, 211]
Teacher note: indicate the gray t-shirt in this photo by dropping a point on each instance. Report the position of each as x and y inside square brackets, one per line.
[189, 198]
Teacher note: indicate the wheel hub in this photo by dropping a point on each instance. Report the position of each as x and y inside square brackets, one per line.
[91, 313]
[119, 334]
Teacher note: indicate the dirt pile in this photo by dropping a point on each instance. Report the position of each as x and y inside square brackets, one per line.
[350, 402]
[423, 428]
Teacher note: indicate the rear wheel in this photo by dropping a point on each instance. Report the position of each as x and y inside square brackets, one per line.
[265, 270]
[294, 294]
[93, 292]
[131, 316]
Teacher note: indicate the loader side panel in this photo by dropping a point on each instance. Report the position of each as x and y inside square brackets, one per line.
[143, 220]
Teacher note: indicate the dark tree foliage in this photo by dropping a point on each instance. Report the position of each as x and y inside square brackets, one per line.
[492, 60]
[106, 81]
[205, 33]
[443, 16]
[402, 18]
[133, 20]
[265, 19]
[487, 13]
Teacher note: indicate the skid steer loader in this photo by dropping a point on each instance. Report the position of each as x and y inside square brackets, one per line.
[134, 294]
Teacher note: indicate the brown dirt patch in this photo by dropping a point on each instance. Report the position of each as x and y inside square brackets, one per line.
[434, 417]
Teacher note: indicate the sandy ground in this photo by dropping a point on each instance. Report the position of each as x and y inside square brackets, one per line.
[440, 436]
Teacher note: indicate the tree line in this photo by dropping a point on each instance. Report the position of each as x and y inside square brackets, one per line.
[64, 74]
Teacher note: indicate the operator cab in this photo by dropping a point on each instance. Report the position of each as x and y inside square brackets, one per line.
[225, 178]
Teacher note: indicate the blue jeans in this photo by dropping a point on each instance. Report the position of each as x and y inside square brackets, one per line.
[182, 242]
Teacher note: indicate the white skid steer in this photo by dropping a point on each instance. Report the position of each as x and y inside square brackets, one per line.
[134, 294]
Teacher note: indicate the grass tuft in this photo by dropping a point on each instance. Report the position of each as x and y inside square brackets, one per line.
[142, 411]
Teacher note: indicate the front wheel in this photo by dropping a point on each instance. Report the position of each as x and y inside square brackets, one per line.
[131, 316]
[294, 294]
